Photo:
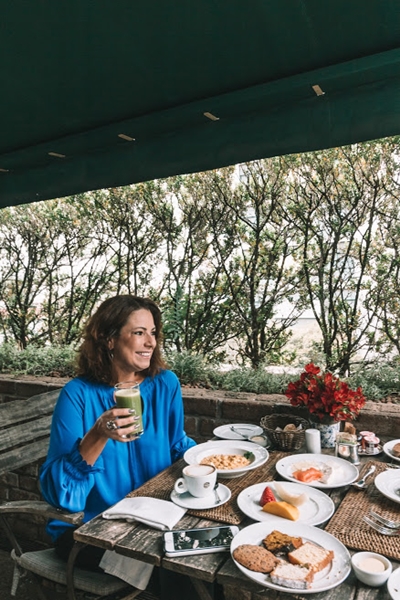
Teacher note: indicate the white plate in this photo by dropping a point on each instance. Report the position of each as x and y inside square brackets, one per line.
[328, 578]
[388, 481]
[387, 448]
[195, 455]
[316, 510]
[225, 432]
[343, 472]
[186, 500]
[393, 585]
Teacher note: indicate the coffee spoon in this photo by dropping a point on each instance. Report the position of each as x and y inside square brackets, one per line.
[217, 497]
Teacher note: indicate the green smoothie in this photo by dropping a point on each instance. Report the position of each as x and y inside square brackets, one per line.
[130, 398]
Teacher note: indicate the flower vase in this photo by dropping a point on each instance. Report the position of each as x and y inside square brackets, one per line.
[328, 432]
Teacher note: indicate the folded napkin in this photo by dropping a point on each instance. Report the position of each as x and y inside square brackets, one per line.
[160, 514]
[135, 572]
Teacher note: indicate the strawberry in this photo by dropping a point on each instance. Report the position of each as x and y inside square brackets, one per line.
[267, 496]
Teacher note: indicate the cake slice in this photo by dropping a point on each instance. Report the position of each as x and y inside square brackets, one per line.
[312, 556]
[292, 576]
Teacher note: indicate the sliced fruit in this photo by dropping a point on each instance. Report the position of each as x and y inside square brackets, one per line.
[295, 499]
[267, 496]
[282, 509]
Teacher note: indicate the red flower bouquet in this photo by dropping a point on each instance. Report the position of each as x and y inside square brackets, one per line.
[324, 395]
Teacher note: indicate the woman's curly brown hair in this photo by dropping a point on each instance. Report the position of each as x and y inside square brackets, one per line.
[95, 359]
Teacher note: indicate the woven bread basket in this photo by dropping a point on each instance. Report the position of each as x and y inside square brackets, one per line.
[284, 440]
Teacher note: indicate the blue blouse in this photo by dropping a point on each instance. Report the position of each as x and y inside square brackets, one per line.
[69, 483]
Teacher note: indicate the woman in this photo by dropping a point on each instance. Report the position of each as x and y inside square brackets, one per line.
[92, 461]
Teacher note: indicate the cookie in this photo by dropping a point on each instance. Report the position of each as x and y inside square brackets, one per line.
[255, 558]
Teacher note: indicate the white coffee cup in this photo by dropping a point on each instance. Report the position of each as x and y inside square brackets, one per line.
[313, 441]
[198, 480]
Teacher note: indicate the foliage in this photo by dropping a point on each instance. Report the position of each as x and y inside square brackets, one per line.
[255, 253]
[233, 256]
[191, 369]
[25, 240]
[130, 234]
[196, 302]
[194, 370]
[337, 199]
[257, 381]
[324, 395]
[52, 361]
[378, 380]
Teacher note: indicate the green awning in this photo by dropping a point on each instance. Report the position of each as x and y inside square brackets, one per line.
[77, 75]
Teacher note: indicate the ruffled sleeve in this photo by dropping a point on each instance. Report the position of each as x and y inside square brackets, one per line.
[180, 447]
[67, 480]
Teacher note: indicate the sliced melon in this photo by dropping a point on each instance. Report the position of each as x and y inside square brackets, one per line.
[295, 499]
[282, 509]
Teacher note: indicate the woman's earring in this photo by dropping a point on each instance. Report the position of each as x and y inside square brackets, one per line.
[111, 354]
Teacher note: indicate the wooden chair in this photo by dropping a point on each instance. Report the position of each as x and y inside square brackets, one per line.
[24, 438]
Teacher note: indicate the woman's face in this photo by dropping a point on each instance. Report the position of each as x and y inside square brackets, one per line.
[134, 347]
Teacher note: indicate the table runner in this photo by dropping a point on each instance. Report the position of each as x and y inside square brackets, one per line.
[348, 526]
[162, 485]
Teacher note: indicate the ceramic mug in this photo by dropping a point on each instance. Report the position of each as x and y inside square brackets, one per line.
[198, 480]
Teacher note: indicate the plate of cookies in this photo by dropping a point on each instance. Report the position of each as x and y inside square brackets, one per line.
[291, 501]
[392, 449]
[290, 557]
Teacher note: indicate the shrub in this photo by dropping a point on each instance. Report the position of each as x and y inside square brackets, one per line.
[377, 381]
[258, 381]
[52, 361]
[191, 369]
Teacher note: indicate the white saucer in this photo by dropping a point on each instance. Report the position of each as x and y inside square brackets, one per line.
[225, 432]
[393, 584]
[186, 500]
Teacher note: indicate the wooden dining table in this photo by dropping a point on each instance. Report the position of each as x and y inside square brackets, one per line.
[215, 576]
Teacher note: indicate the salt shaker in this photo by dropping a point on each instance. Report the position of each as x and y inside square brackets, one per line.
[313, 441]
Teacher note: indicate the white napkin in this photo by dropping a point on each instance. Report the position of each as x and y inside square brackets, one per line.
[160, 514]
[134, 572]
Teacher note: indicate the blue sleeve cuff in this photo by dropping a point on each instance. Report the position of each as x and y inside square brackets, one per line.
[180, 448]
[77, 467]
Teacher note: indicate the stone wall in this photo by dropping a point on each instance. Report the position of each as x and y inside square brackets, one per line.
[204, 410]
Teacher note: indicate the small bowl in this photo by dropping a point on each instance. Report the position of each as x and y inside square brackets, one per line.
[260, 439]
[363, 562]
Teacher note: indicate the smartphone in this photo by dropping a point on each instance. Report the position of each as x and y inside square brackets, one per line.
[204, 540]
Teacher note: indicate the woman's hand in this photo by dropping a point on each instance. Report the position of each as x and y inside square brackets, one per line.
[117, 424]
